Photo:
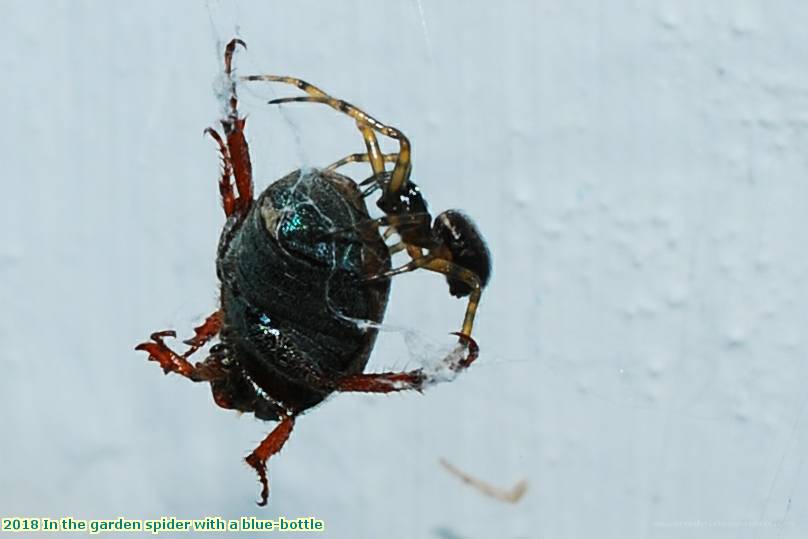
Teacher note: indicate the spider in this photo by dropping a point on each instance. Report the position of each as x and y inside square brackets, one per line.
[303, 262]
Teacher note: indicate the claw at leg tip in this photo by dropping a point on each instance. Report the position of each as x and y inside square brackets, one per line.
[471, 346]
[468, 340]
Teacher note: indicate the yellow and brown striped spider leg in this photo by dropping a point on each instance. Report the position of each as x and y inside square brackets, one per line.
[360, 158]
[437, 264]
[394, 223]
[401, 171]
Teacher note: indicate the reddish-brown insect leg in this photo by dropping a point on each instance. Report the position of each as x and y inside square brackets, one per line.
[233, 129]
[204, 333]
[171, 361]
[242, 167]
[388, 382]
[225, 184]
[384, 382]
[237, 147]
[228, 54]
[272, 444]
[229, 50]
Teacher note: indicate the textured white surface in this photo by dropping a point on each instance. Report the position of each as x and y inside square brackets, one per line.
[639, 170]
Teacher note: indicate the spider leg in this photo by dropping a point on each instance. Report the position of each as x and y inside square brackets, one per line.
[364, 121]
[360, 158]
[401, 171]
[379, 171]
[374, 152]
[371, 142]
[392, 221]
[433, 262]
[450, 269]
[398, 247]
[271, 445]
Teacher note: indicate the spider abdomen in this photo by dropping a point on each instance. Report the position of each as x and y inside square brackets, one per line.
[457, 233]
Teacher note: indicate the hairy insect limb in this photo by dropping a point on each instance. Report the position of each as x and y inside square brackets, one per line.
[227, 387]
[171, 361]
[225, 181]
[230, 386]
[237, 155]
[204, 333]
[388, 382]
[271, 445]
[242, 167]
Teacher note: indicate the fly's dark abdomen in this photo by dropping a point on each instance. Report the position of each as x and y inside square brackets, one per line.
[294, 294]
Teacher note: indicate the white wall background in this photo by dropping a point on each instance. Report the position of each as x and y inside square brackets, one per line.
[639, 169]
